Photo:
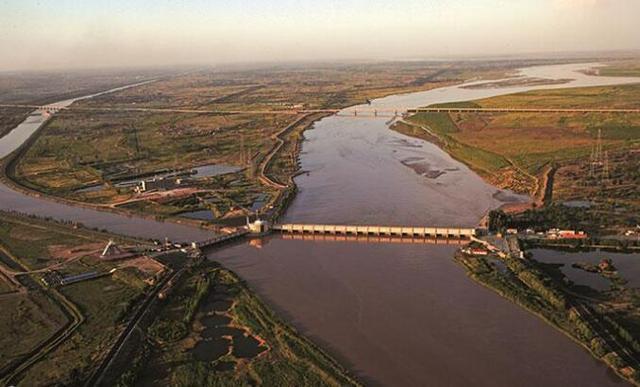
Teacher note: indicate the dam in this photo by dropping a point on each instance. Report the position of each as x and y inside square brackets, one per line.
[395, 231]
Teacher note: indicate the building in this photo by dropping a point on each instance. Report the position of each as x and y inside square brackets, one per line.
[555, 233]
[158, 184]
[258, 226]
[572, 234]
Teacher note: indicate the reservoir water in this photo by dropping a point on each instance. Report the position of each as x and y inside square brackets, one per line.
[397, 314]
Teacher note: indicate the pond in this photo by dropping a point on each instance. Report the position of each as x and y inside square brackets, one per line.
[628, 266]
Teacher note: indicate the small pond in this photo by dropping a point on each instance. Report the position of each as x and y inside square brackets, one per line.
[628, 266]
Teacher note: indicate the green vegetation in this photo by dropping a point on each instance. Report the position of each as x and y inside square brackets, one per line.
[594, 222]
[60, 334]
[28, 319]
[622, 96]
[438, 127]
[597, 321]
[11, 117]
[547, 155]
[232, 339]
[627, 68]
[84, 156]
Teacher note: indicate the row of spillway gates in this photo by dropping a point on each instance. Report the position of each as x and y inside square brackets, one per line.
[416, 232]
[261, 227]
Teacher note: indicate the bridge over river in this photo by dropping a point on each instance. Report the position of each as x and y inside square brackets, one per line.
[360, 111]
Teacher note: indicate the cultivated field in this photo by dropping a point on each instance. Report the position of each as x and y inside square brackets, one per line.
[58, 334]
[96, 157]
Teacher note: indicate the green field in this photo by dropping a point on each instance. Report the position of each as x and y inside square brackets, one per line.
[626, 68]
[83, 156]
[514, 150]
[95, 310]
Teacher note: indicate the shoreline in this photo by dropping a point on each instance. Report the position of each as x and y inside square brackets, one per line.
[542, 196]
[514, 299]
[280, 202]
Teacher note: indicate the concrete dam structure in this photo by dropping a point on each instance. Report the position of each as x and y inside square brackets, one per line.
[375, 239]
[393, 231]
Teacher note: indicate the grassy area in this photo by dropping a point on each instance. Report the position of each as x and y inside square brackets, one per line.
[621, 97]
[627, 68]
[36, 314]
[10, 118]
[32, 243]
[26, 321]
[514, 150]
[104, 302]
[84, 156]
[213, 330]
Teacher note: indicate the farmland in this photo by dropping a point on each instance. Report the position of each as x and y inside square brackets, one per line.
[516, 150]
[56, 334]
[97, 157]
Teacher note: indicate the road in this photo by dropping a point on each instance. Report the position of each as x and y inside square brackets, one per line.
[97, 376]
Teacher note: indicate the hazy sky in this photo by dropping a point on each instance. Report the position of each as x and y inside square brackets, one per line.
[85, 33]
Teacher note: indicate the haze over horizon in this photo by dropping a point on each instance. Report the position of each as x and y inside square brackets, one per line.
[50, 34]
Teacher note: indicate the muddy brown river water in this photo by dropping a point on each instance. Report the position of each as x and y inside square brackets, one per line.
[403, 314]
[397, 314]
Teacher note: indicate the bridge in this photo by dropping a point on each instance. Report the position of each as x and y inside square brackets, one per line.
[221, 239]
[519, 110]
[349, 112]
[390, 231]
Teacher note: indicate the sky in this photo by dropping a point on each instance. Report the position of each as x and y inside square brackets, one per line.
[60, 34]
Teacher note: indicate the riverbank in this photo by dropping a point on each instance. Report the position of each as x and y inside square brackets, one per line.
[261, 341]
[543, 291]
[7, 177]
[212, 328]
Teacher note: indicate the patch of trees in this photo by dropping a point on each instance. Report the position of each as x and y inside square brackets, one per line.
[623, 333]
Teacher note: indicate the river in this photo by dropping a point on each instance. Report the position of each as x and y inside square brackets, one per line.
[402, 314]
[397, 314]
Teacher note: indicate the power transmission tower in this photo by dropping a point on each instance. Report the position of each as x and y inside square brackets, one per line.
[599, 147]
[242, 151]
[136, 141]
[605, 172]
